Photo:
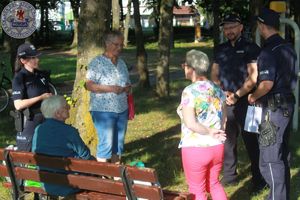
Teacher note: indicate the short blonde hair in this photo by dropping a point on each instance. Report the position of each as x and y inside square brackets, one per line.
[198, 61]
[51, 105]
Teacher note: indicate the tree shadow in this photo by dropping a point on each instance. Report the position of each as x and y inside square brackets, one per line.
[295, 160]
[295, 182]
[162, 153]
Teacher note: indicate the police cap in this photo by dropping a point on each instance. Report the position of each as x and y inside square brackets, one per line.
[231, 18]
[27, 50]
[268, 17]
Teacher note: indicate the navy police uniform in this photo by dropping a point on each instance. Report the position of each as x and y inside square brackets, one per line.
[277, 63]
[232, 61]
[27, 85]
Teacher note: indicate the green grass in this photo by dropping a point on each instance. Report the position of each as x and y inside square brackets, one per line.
[154, 134]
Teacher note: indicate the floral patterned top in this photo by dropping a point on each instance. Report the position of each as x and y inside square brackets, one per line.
[102, 71]
[207, 99]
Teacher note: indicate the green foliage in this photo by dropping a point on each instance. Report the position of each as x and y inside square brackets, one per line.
[70, 101]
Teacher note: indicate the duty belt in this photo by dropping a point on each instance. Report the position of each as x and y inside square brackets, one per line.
[280, 100]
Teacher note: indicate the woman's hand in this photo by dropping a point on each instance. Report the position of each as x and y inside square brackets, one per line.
[117, 89]
[217, 134]
[127, 88]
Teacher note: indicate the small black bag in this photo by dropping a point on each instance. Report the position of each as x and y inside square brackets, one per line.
[267, 131]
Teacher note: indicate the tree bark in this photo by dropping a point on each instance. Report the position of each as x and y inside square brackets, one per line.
[166, 20]
[116, 14]
[141, 53]
[127, 21]
[296, 5]
[255, 6]
[75, 4]
[216, 14]
[42, 24]
[91, 27]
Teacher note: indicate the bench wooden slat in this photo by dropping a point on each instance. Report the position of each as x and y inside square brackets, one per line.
[147, 192]
[70, 164]
[98, 196]
[1, 154]
[3, 171]
[142, 174]
[85, 195]
[77, 181]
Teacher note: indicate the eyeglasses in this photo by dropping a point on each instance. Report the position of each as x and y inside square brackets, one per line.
[117, 44]
[183, 65]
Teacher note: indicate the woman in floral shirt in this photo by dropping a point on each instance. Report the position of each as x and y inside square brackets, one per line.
[202, 117]
[108, 81]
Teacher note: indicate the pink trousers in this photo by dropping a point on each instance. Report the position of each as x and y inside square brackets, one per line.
[202, 167]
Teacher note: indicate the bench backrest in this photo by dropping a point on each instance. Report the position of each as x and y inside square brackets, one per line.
[135, 182]
[88, 173]
[141, 183]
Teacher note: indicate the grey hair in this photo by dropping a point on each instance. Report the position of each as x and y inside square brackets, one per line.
[198, 61]
[51, 105]
[110, 36]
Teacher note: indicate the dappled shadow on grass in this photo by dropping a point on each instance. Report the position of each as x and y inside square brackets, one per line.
[62, 68]
[295, 160]
[295, 182]
[146, 101]
[162, 154]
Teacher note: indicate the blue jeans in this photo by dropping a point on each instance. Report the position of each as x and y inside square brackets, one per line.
[111, 128]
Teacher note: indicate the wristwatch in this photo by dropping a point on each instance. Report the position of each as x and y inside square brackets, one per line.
[237, 97]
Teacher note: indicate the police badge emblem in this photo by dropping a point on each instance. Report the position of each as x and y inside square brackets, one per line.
[18, 19]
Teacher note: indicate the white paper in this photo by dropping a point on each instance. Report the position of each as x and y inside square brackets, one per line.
[253, 119]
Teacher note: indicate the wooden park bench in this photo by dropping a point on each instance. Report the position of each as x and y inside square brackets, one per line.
[92, 177]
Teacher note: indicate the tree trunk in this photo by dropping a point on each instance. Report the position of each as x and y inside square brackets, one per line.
[47, 37]
[141, 53]
[115, 14]
[91, 27]
[255, 6]
[127, 21]
[42, 26]
[75, 4]
[13, 46]
[216, 14]
[3, 34]
[121, 15]
[166, 19]
[295, 4]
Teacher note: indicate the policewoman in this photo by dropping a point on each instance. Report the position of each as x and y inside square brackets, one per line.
[235, 70]
[29, 88]
[276, 81]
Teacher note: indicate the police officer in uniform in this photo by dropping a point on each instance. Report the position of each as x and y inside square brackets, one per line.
[277, 78]
[29, 88]
[235, 70]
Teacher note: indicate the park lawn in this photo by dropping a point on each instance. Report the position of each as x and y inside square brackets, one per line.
[153, 135]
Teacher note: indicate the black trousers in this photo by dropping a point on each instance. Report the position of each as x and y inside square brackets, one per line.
[274, 159]
[235, 125]
[24, 138]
